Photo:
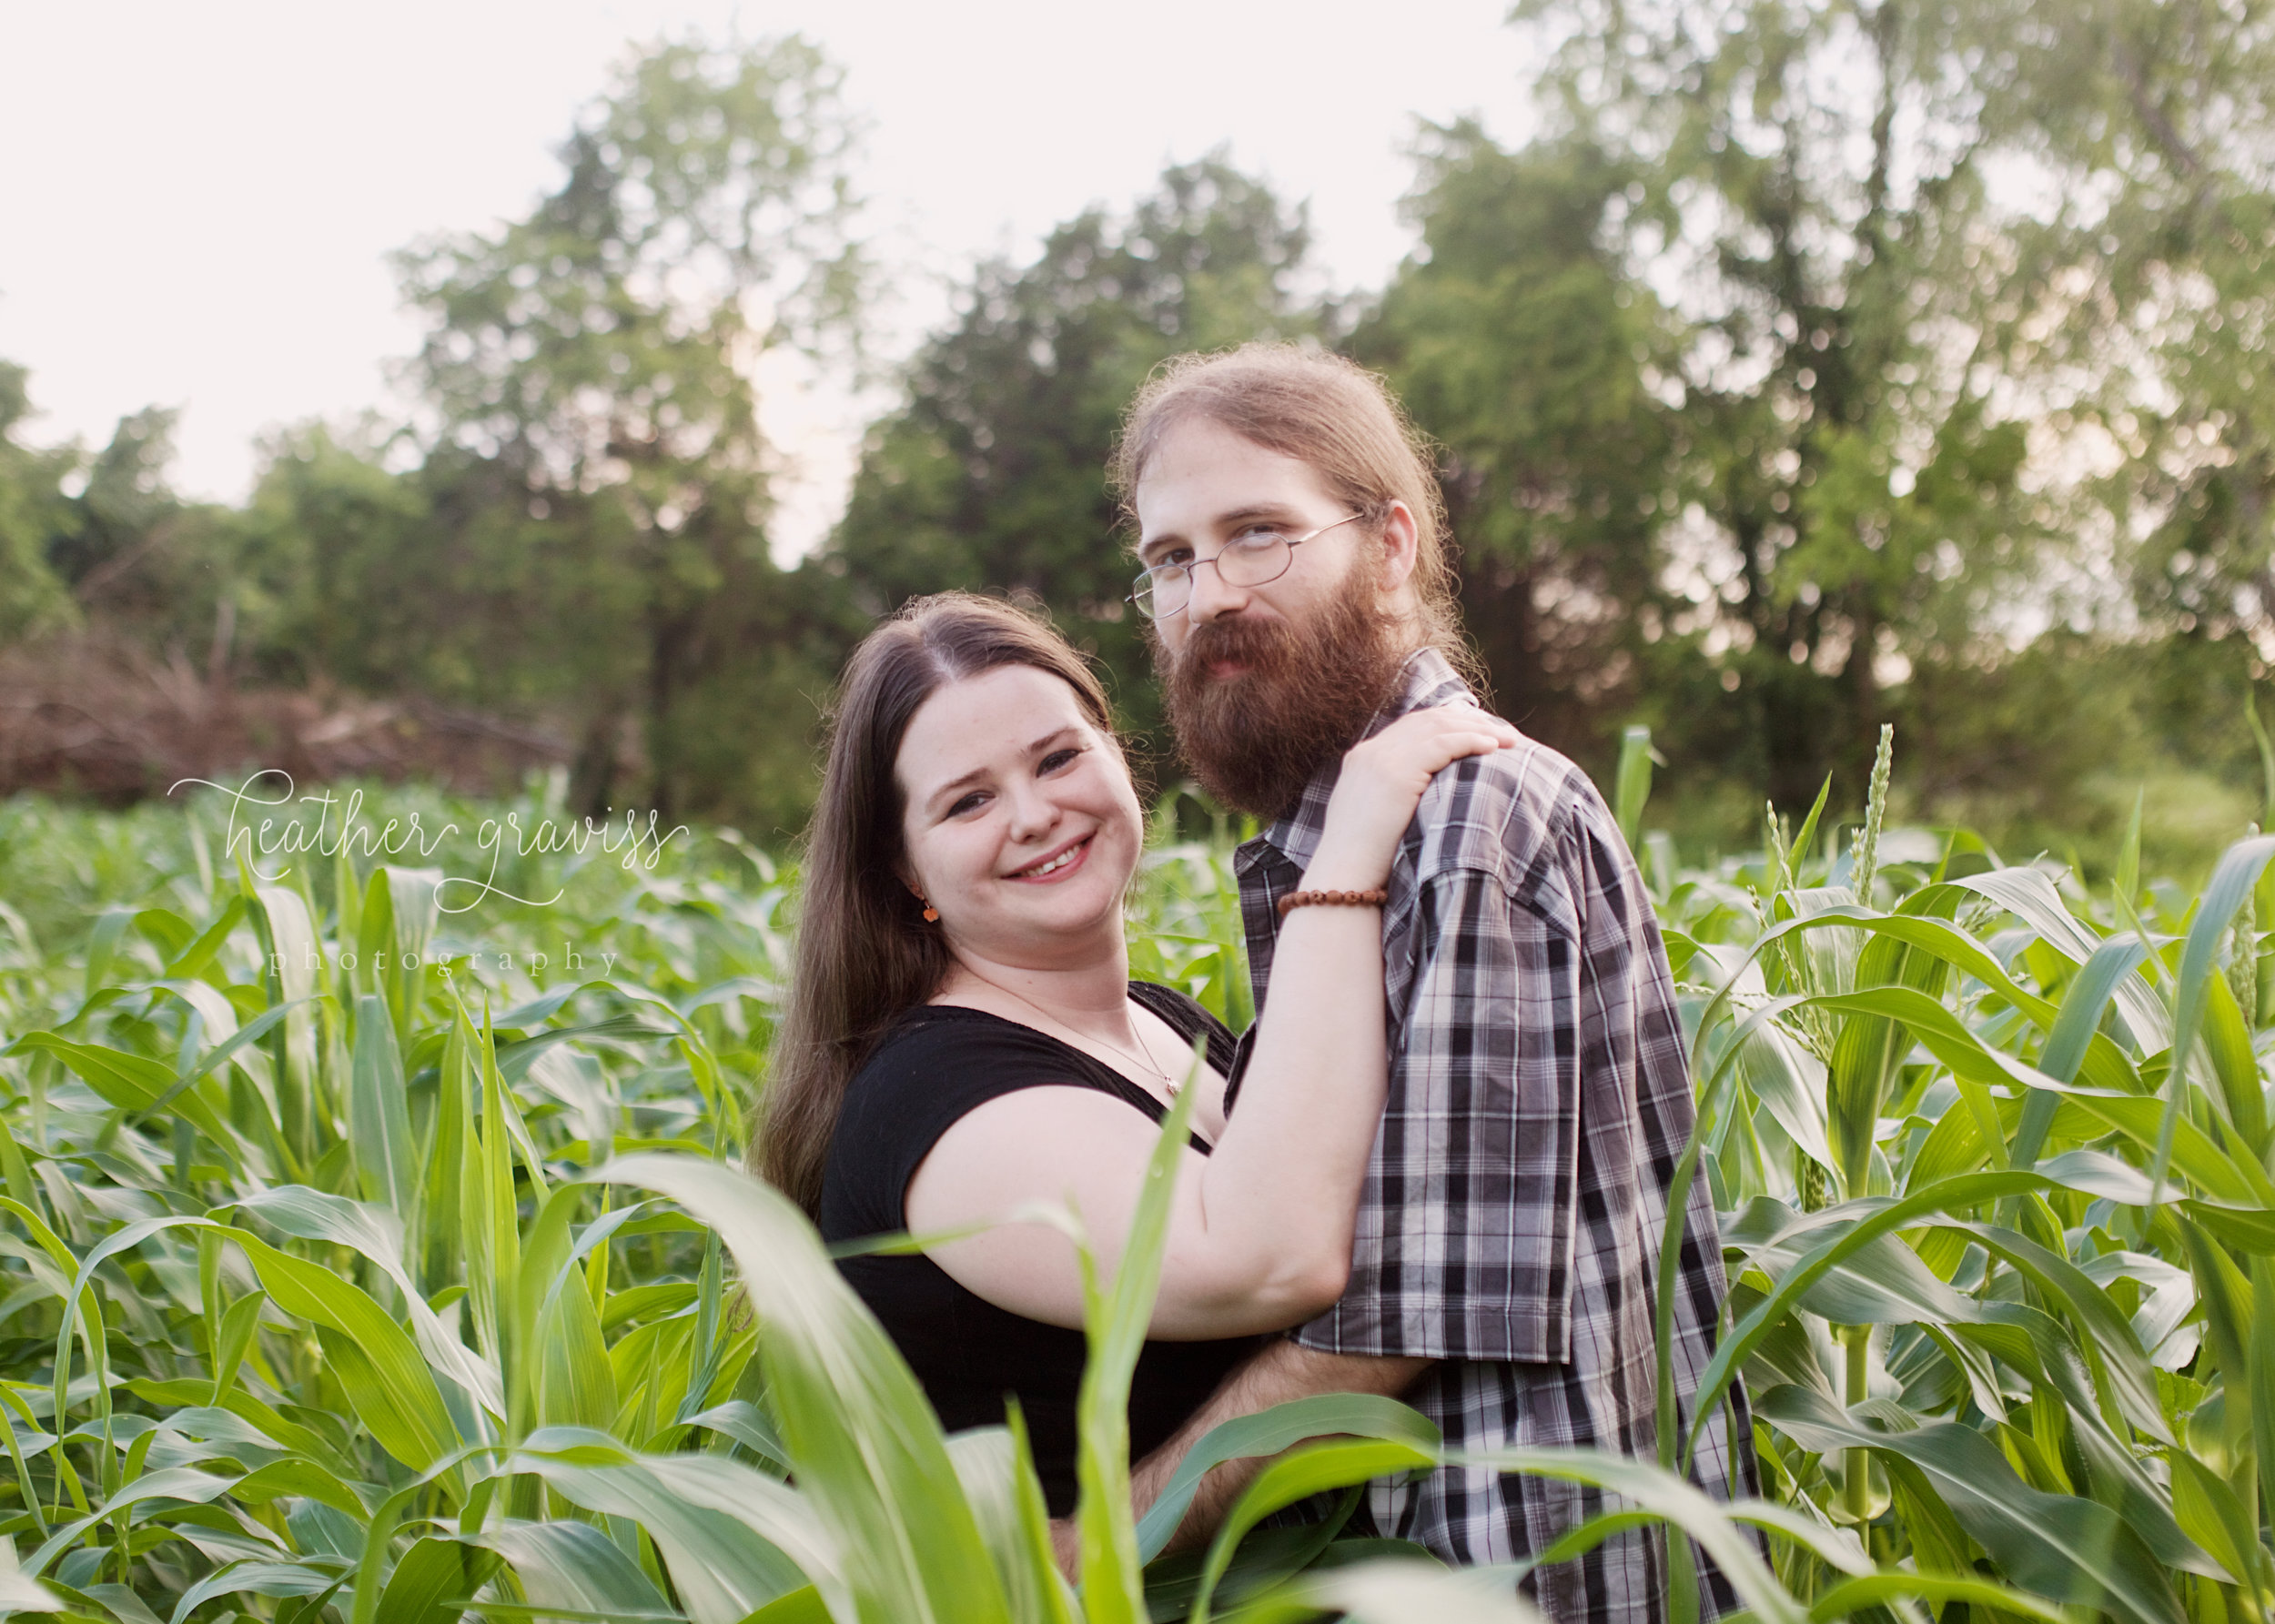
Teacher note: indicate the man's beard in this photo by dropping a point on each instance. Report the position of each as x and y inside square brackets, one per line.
[1307, 691]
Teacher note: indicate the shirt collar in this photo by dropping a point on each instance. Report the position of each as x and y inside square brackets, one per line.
[1426, 679]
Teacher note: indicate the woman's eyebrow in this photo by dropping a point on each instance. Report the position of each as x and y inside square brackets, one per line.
[976, 773]
[954, 784]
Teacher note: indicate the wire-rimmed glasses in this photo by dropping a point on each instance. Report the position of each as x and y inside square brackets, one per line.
[1252, 558]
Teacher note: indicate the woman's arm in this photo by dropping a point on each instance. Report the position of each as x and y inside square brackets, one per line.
[1261, 1231]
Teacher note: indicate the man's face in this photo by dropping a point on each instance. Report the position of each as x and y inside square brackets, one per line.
[1265, 683]
[1204, 486]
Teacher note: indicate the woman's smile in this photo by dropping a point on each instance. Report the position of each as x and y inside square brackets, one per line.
[1058, 865]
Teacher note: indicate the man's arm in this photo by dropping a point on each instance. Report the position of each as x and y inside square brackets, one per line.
[1283, 1371]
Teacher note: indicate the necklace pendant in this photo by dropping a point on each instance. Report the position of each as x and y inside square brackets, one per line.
[1171, 1089]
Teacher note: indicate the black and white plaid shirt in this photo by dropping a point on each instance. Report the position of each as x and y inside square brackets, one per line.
[1539, 1099]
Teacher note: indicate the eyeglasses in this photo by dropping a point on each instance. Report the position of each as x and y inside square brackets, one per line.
[1252, 558]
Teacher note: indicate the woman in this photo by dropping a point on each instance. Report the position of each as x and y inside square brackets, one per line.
[964, 1040]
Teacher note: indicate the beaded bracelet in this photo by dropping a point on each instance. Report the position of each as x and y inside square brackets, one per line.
[1356, 899]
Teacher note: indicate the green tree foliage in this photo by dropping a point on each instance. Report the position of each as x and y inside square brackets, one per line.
[1815, 346]
[1515, 337]
[2159, 122]
[349, 552]
[597, 472]
[992, 475]
[1812, 194]
[123, 514]
[104, 539]
[32, 599]
[572, 529]
[2060, 740]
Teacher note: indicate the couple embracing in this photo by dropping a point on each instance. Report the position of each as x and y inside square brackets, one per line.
[1436, 1168]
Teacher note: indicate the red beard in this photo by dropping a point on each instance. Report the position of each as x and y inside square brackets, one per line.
[1306, 693]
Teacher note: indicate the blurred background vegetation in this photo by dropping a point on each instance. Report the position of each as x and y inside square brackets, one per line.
[1818, 364]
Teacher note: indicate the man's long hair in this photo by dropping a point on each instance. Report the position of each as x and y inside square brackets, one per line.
[865, 954]
[1327, 412]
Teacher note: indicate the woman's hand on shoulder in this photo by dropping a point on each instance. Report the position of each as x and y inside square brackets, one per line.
[1382, 783]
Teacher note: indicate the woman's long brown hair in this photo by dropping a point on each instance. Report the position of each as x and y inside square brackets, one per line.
[865, 952]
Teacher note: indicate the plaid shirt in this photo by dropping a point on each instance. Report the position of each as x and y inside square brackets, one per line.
[1510, 1222]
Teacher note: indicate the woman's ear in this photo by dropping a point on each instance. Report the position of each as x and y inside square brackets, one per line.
[930, 913]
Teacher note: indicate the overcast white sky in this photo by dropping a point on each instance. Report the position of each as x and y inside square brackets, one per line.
[198, 199]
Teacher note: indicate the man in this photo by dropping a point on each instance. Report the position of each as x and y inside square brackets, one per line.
[1506, 1260]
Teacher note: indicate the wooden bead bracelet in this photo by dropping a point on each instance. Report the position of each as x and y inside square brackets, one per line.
[1352, 899]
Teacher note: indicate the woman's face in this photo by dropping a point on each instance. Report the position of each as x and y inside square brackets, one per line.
[1021, 825]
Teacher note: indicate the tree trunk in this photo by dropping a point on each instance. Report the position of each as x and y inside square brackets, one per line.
[1801, 732]
[592, 775]
[1497, 607]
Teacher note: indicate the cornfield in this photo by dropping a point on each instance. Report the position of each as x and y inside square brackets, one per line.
[371, 1254]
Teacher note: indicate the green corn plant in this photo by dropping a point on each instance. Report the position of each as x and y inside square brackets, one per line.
[2047, 1327]
[343, 1290]
[1630, 785]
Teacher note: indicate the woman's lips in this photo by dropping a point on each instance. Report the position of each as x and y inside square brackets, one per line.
[1074, 857]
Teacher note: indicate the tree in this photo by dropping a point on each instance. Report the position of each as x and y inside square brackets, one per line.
[33, 509]
[993, 474]
[104, 539]
[1518, 341]
[1858, 315]
[2158, 124]
[596, 458]
[352, 559]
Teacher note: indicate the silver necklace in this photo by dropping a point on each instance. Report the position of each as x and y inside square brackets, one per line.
[1169, 1085]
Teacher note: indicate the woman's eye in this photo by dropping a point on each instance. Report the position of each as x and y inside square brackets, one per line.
[1058, 759]
[968, 804]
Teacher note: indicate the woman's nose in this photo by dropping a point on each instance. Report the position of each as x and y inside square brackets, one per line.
[1033, 812]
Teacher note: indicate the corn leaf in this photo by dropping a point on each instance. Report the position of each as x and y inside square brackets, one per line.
[388, 1380]
[379, 1115]
[863, 1442]
[572, 1568]
[733, 1539]
[1298, 1475]
[2064, 1548]
[1113, 1579]
[1269, 1432]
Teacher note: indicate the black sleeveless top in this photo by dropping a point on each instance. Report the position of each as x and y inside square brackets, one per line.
[938, 1063]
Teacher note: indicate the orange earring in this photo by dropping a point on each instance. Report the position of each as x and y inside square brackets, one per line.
[931, 914]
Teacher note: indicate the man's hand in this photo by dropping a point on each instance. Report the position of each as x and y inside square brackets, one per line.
[1066, 1547]
[1282, 1372]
